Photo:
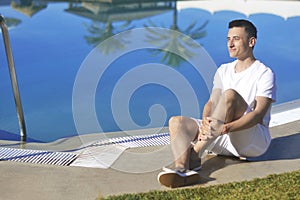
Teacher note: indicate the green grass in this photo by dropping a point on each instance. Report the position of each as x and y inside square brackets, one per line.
[277, 186]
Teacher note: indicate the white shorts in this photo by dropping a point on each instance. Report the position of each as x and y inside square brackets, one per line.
[251, 142]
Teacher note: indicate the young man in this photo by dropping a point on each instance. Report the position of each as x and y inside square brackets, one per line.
[235, 119]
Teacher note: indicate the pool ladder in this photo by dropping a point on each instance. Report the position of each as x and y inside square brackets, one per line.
[13, 78]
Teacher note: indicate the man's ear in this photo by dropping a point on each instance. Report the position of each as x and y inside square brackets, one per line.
[252, 42]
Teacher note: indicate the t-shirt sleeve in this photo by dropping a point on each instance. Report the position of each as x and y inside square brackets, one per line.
[217, 80]
[267, 85]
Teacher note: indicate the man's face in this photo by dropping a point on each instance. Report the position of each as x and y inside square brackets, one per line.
[239, 46]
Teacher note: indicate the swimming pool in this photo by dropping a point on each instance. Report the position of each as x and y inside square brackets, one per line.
[51, 40]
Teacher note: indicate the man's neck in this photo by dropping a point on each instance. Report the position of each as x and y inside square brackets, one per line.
[244, 64]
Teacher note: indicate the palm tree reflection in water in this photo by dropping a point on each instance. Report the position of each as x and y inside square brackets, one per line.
[100, 31]
[175, 40]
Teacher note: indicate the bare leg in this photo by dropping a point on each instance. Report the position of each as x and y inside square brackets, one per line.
[183, 130]
[229, 107]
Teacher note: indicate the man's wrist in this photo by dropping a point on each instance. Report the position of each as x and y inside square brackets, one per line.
[226, 129]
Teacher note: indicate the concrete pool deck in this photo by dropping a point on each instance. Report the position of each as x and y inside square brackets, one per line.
[38, 181]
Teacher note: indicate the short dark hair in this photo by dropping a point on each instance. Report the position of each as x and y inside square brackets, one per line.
[249, 27]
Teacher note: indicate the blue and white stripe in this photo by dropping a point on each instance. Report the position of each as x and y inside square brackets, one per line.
[37, 156]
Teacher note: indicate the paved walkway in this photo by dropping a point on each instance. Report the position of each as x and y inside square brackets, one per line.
[136, 171]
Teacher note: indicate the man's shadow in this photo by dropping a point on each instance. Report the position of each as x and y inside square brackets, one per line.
[281, 148]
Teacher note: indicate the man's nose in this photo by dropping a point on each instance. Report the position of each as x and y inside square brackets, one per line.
[230, 43]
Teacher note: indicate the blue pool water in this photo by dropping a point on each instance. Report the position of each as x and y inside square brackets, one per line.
[51, 43]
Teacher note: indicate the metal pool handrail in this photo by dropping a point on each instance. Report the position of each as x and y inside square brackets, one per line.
[13, 78]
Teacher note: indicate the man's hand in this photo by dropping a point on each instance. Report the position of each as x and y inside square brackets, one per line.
[211, 128]
[205, 130]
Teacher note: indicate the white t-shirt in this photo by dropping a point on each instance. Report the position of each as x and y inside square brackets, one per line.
[256, 80]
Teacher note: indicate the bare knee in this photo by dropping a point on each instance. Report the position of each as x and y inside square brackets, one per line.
[175, 122]
[227, 98]
[231, 95]
[181, 124]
